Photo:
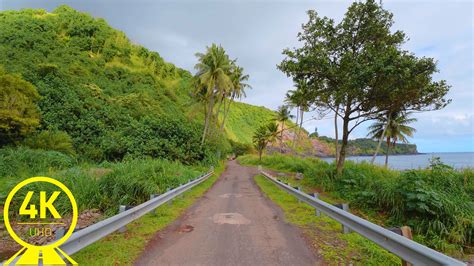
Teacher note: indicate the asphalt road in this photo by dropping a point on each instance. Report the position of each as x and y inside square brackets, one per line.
[232, 224]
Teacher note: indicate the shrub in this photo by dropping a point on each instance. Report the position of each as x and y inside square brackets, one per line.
[239, 148]
[51, 140]
[26, 162]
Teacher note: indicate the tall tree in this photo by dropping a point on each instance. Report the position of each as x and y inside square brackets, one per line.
[299, 98]
[393, 127]
[213, 80]
[239, 85]
[356, 68]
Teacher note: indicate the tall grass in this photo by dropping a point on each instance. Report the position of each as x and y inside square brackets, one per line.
[438, 203]
[104, 186]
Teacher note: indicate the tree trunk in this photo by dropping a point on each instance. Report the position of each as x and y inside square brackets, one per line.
[301, 120]
[336, 133]
[381, 139]
[295, 134]
[208, 117]
[219, 110]
[342, 153]
[281, 136]
[388, 150]
[226, 113]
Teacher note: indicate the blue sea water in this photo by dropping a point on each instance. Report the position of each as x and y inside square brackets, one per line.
[457, 160]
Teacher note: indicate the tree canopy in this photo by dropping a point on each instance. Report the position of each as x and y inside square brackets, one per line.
[357, 68]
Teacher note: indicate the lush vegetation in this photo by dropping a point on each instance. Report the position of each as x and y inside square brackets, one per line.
[102, 186]
[243, 119]
[78, 76]
[362, 70]
[438, 203]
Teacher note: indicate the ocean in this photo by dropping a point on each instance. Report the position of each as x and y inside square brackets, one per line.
[457, 160]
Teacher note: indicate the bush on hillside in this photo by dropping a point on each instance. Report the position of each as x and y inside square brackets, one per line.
[239, 148]
[51, 140]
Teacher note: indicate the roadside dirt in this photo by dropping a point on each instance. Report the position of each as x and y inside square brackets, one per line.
[233, 224]
[8, 246]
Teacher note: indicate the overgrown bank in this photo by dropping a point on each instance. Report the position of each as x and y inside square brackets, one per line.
[99, 187]
[438, 203]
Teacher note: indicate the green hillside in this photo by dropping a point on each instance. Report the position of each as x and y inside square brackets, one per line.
[244, 119]
[111, 97]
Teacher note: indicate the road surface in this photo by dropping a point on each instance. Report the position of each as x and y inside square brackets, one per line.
[232, 224]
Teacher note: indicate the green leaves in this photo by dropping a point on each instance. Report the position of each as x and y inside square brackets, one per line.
[19, 114]
[357, 68]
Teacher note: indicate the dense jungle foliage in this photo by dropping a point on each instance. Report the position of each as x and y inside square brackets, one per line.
[90, 89]
[88, 83]
[438, 202]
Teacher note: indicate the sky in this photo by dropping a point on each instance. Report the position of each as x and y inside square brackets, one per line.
[256, 32]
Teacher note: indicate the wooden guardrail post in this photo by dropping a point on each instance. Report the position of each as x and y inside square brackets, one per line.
[406, 232]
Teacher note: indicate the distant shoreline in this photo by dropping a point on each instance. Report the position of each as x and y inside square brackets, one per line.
[399, 154]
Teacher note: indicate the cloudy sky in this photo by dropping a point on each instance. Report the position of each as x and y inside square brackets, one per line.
[256, 32]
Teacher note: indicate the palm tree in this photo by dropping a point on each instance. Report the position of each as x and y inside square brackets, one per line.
[282, 115]
[212, 79]
[299, 98]
[265, 134]
[238, 79]
[396, 129]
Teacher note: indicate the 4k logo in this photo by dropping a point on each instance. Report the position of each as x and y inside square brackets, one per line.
[40, 214]
[32, 212]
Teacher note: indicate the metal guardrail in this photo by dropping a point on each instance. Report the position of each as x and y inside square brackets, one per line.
[97, 231]
[405, 248]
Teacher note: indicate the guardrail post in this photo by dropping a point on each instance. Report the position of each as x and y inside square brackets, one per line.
[152, 196]
[171, 200]
[181, 194]
[406, 232]
[122, 208]
[59, 233]
[316, 196]
[344, 207]
[345, 229]
[299, 188]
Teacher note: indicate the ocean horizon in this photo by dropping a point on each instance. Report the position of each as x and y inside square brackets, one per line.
[457, 160]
